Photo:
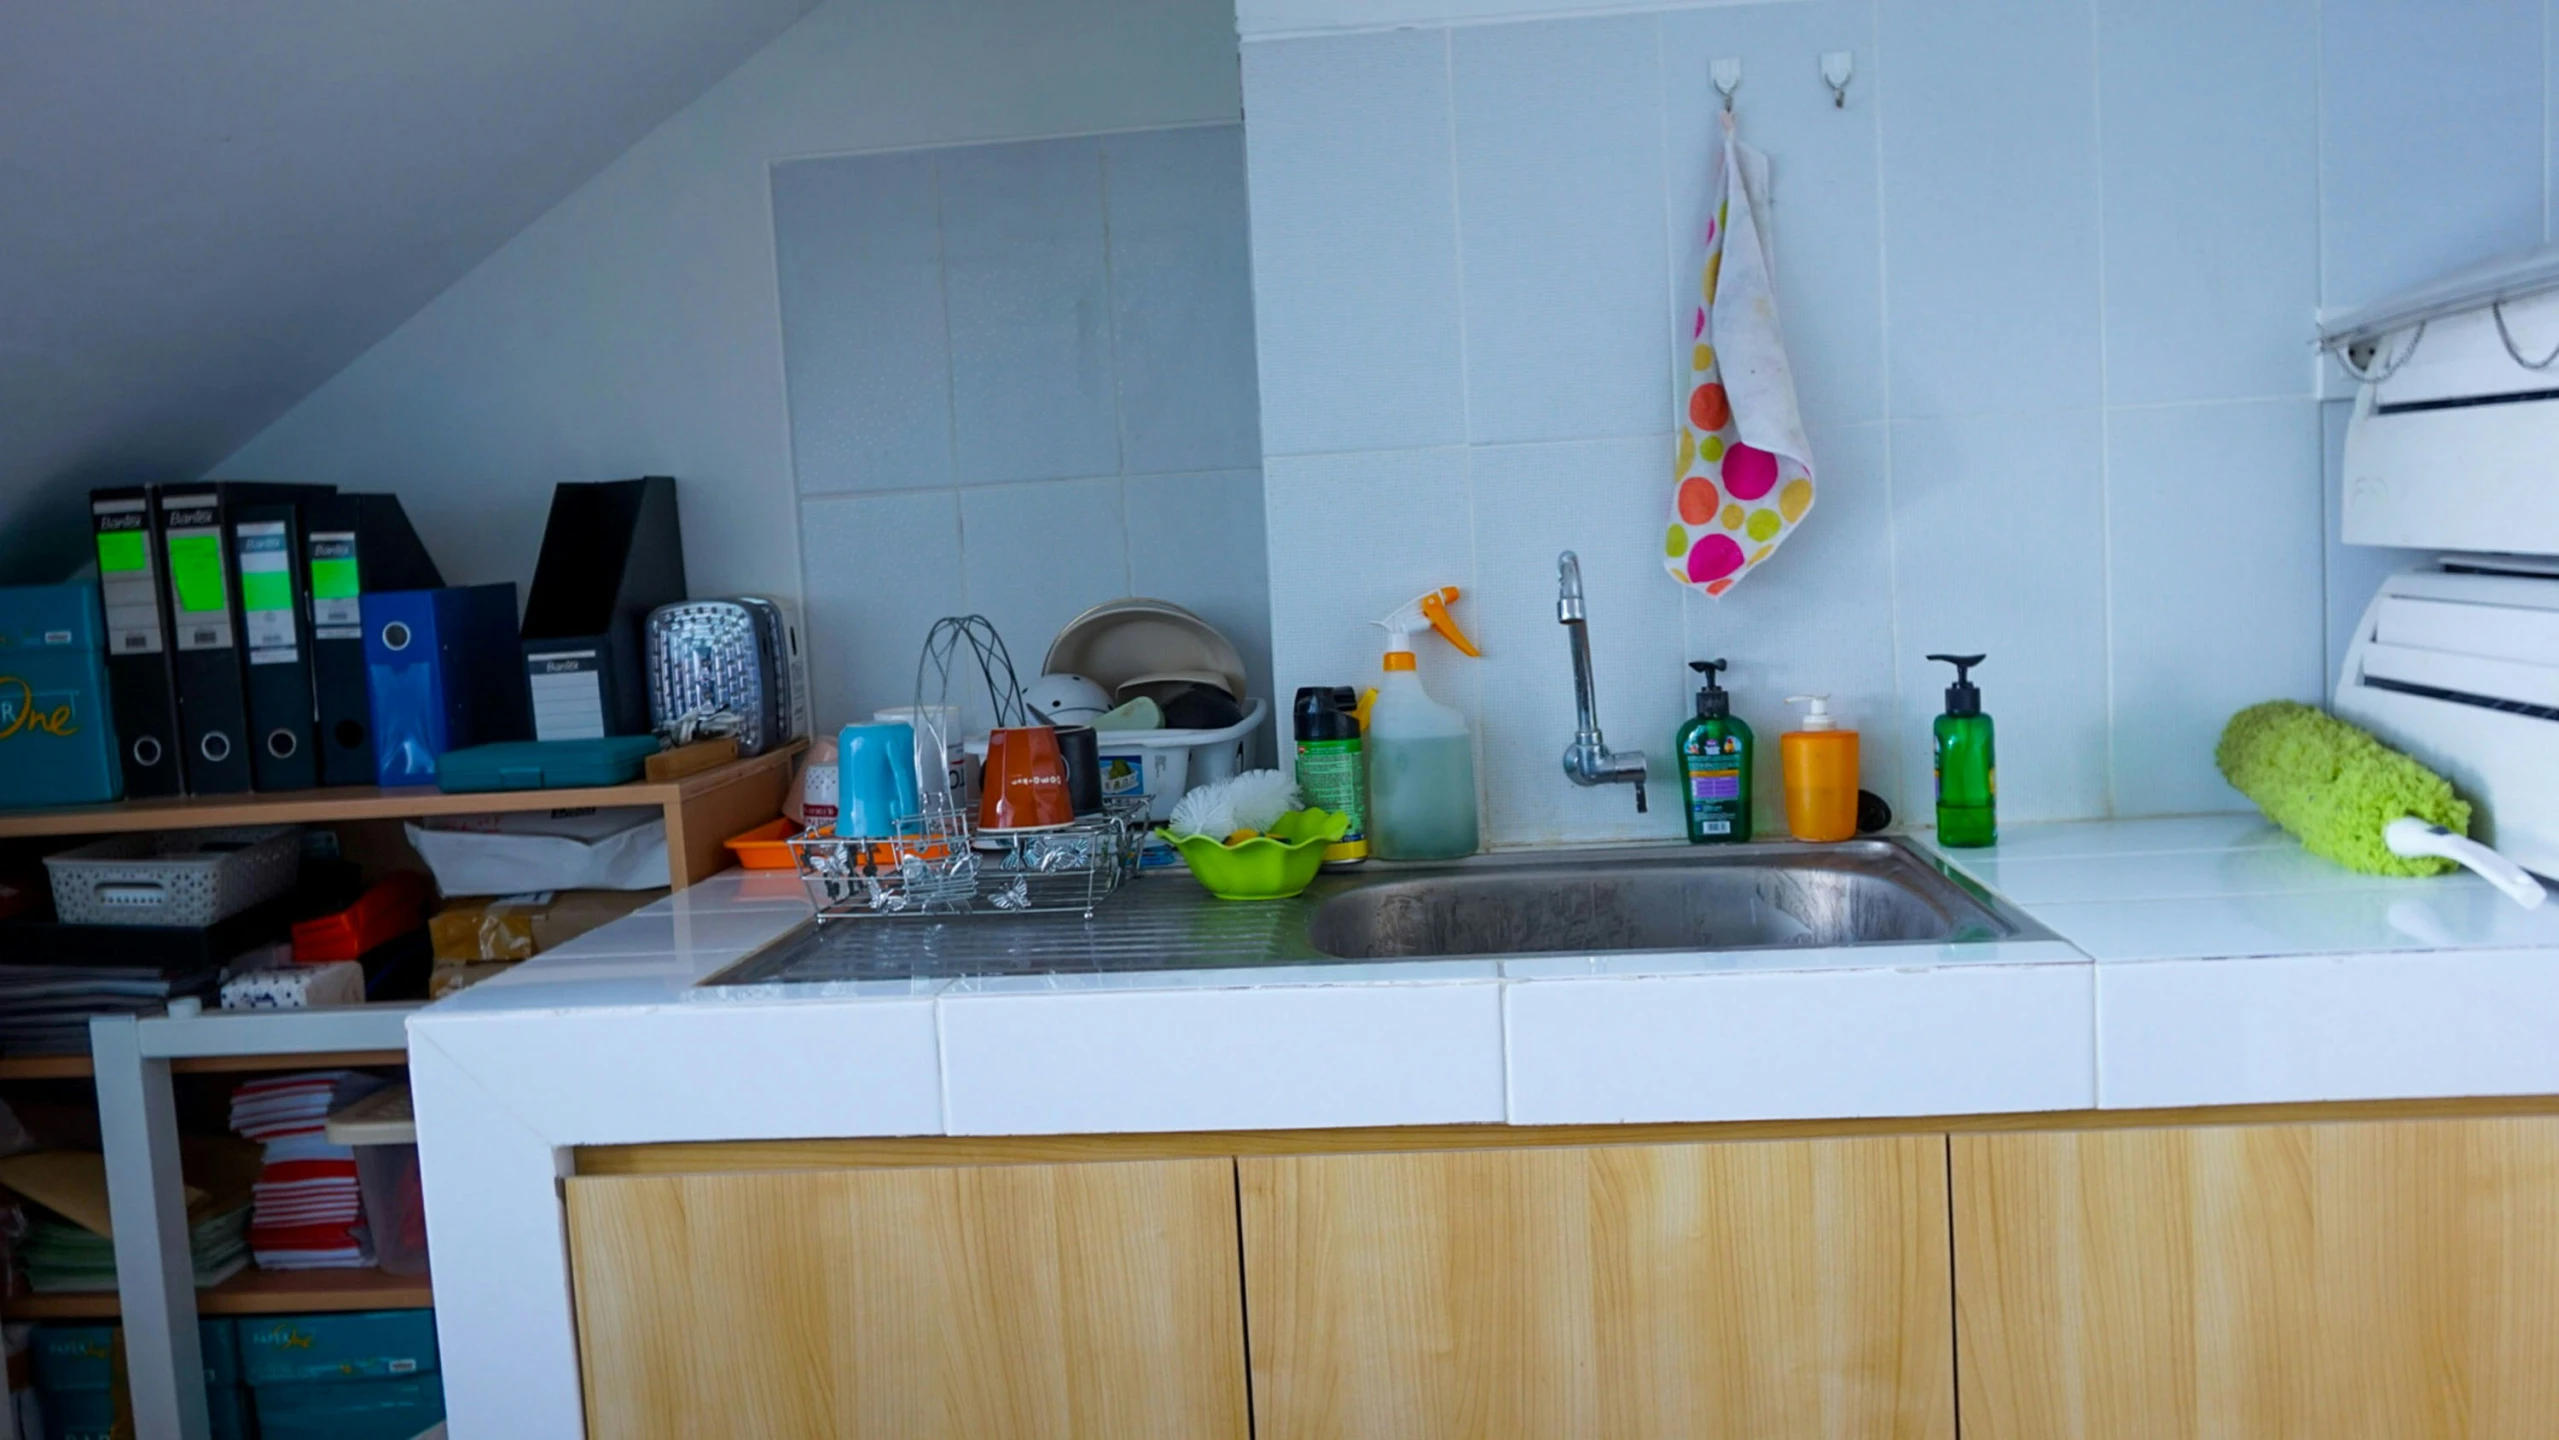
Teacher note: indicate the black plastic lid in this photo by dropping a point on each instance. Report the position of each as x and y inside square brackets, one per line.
[1319, 714]
[1713, 702]
[1963, 697]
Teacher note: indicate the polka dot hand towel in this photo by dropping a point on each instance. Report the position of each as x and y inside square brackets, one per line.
[1744, 473]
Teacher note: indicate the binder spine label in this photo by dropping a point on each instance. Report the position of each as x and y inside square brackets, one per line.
[199, 587]
[337, 604]
[127, 583]
[266, 592]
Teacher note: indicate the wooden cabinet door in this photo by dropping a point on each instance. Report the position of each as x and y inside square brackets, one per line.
[2365, 1281]
[1001, 1302]
[1794, 1290]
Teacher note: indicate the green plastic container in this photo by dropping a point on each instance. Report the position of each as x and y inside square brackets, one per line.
[1275, 865]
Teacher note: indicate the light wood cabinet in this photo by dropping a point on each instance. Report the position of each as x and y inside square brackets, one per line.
[1794, 1289]
[999, 1302]
[2272, 1282]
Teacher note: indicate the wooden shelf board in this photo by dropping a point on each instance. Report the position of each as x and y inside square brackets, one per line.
[365, 802]
[44, 1067]
[316, 1060]
[252, 1292]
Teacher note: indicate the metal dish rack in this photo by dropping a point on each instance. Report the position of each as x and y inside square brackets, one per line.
[941, 865]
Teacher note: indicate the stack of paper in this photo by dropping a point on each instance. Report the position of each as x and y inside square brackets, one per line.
[309, 1213]
[68, 1246]
[45, 1009]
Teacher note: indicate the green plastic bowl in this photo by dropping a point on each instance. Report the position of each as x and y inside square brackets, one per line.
[1274, 865]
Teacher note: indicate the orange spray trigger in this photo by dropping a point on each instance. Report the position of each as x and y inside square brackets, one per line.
[1435, 610]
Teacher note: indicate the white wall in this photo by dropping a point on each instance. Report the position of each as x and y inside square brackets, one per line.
[2049, 278]
[1021, 384]
[634, 329]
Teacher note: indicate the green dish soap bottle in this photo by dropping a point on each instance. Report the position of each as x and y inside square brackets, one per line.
[1715, 753]
[1967, 765]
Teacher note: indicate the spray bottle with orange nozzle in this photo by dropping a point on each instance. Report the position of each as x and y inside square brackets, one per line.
[1421, 757]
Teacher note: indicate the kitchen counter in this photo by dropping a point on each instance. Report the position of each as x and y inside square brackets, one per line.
[2201, 961]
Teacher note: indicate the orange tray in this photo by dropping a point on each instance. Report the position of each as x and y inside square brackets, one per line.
[766, 847]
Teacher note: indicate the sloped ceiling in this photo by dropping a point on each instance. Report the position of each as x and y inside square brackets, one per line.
[208, 207]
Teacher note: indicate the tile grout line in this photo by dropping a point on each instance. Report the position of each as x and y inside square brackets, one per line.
[950, 384]
[2105, 416]
[1119, 408]
[1465, 410]
[1903, 780]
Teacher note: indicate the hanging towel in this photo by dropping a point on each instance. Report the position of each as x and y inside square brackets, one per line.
[1745, 473]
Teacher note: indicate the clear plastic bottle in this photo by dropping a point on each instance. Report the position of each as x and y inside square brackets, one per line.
[1420, 754]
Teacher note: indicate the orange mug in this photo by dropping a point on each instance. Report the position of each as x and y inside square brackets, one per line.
[1025, 782]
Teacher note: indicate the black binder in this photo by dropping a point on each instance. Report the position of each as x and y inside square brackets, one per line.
[206, 624]
[354, 544]
[611, 553]
[273, 590]
[142, 694]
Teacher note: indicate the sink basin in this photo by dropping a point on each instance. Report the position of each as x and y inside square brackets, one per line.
[1744, 898]
[1629, 900]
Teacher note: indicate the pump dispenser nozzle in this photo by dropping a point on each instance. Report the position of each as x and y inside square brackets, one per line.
[1963, 697]
[1713, 702]
[1817, 714]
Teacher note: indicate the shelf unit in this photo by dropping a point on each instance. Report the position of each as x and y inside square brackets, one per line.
[251, 1292]
[702, 810]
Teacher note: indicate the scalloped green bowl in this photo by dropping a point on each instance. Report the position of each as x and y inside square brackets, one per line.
[1275, 865]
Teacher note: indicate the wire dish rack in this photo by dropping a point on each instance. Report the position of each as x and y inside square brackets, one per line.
[939, 864]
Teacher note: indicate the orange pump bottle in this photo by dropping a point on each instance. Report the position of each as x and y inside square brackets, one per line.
[1820, 765]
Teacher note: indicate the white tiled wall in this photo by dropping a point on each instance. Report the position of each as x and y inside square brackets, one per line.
[2049, 278]
[1021, 383]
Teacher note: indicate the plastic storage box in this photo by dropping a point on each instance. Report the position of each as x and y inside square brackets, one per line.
[384, 1132]
[188, 877]
[546, 764]
[57, 733]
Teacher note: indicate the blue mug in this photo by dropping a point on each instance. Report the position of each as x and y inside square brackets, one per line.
[874, 780]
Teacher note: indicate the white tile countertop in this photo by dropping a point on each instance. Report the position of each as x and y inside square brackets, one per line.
[2201, 961]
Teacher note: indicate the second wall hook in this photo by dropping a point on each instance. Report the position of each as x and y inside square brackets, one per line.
[1837, 67]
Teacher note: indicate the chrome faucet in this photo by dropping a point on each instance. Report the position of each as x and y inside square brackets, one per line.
[1588, 760]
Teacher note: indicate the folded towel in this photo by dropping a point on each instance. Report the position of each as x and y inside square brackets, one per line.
[1745, 472]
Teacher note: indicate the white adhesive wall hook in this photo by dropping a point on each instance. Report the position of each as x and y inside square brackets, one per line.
[1837, 67]
[1728, 78]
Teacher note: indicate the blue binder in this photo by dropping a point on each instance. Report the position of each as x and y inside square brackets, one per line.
[57, 740]
[443, 672]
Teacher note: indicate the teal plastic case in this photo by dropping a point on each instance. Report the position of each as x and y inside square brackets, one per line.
[545, 764]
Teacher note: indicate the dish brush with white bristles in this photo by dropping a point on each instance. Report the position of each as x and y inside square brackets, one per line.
[1223, 809]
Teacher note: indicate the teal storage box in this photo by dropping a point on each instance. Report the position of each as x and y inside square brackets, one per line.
[221, 1339]
[350, 1410]
[309, 1349]
[546, 764]
[57, 736]
[78, 1414]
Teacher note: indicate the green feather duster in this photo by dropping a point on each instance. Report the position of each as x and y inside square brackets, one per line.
[2335, 786]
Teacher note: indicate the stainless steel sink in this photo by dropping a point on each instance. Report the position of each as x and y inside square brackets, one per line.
[1746, 898]
[1573, 902]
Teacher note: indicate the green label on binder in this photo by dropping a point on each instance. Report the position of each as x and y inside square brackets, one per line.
[195, 567]
[265, 590]
[123, 551]
[333, 579]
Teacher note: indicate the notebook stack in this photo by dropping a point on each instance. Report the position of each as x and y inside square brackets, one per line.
[45, 1009]
[61, 1257]
[309, 1212]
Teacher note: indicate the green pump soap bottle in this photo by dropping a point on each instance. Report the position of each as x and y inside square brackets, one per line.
[1967, 767]
[1715, 753]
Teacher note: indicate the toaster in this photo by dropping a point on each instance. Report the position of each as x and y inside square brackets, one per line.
[740, 655]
